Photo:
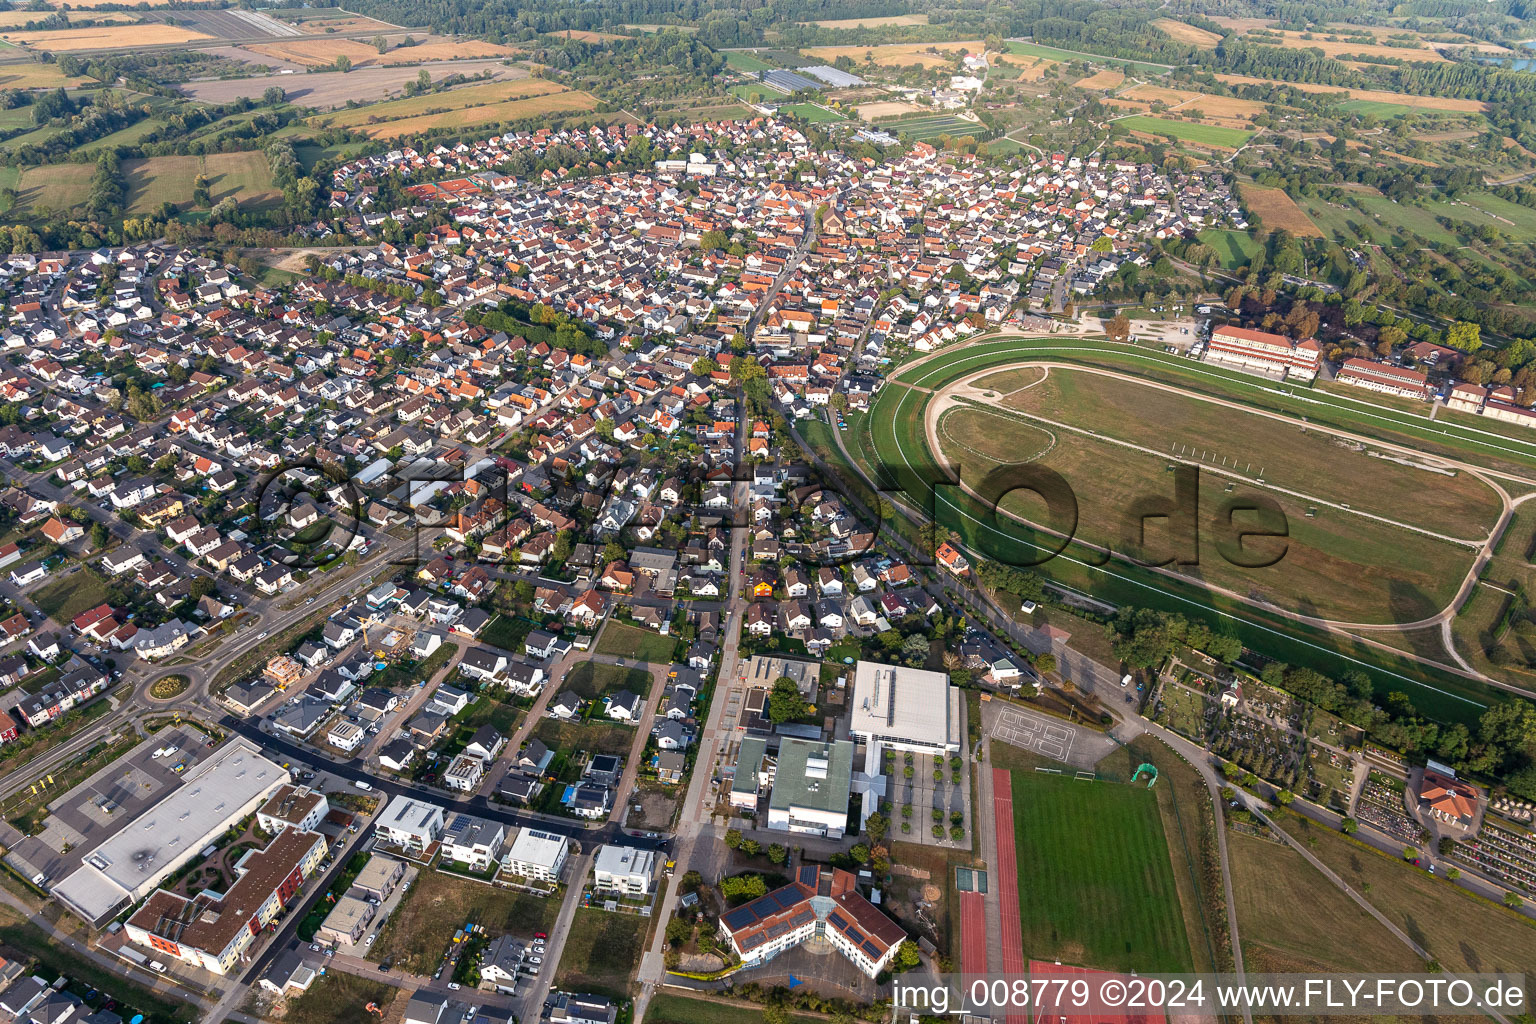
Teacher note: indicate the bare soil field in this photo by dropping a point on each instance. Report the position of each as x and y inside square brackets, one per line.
[886, 108]
[1279, 211]
[102, 37]
[1183, 33]
[315, 26]
[444, 50]
[325, 90]
[1106, 79]
[896, 55]
[894, 19]
[1376, 95]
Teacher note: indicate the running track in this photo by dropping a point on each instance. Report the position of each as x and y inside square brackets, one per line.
[1007, 879]
[973, 934]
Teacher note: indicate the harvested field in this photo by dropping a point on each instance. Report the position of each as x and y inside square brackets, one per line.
[1106, 79]
[326, 89]
[897, 55]
[103, 37]
[35, 76]
[1225, 110]
[894, 19]
[1183, 33]
[1278, 210]
[468, 96]
[1378, 95]
[18, 18]
[886, 108]
[493, 113]
[78, 4]
[442, 103]
[320, 52]
[57, 187]
[1342, 45]
[1031, 69]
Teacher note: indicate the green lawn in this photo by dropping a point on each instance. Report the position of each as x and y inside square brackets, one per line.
[65, 598]
[592, 679]
[1204, 134]
[1235, 248]
[507, 632]
[595, 737]
[666, 1008]
[1100, 889]
[602, 952]
[625, 641]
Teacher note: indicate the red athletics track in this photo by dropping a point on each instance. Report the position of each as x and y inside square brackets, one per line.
[1007, 881]
[973, 933]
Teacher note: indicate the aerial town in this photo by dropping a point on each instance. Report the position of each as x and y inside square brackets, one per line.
[585, 596]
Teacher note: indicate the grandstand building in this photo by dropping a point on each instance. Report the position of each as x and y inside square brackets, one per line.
[1261, 352]
[1389, 380]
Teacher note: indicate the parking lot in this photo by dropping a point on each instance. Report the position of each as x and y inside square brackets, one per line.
[1041, 734]
[99, 807]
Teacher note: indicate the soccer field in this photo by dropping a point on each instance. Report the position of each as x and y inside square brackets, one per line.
[1099, 890]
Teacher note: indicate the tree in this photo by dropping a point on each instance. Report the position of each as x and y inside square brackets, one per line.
[1348, 826]
[343, 63]
[202, 196]
[715, 239]
[859, 853]
[784, 701]
[908, 956]
[704, 366]
[1464, 337]
[876, 826]
[733, 838]
[778, 853]
[99, 536]
[1045, 663]
[1513, 900]
[1118, 328]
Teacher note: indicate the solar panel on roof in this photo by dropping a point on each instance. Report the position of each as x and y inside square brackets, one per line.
[838, 921]
[739, 918]
[752, 941]
[854, 934]
[870, 948]
[801, 918]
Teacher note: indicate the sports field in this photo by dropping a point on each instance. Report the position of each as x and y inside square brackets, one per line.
[1200, 134]
[1101, 890]
[889, 443]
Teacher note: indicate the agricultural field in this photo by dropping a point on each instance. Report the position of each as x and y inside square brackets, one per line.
[321, 52]
[1360, 211]
[466, 96]
[1183, 33]
[1278, 210]
[246, 176]
[886, 108]
[894, 19]
[932, 126]
[1101, 80]
[1234, 248]
[740, 60]
[440, 904]
[1341, 45]
[587, 36]
[474, 105]
[327, 89]
[67, 40]
[36, 76]
[18, 18]
[1111, 904]
[1022, 49]
[812, 112]
[899, 55]
[1377, 95]
[1228, 111]
[1199, 134]
[314, 22]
